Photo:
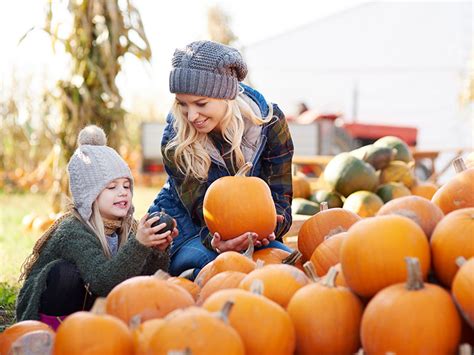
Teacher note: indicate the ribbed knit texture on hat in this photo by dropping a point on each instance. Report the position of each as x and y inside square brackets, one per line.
[206, 68]
[92, 167]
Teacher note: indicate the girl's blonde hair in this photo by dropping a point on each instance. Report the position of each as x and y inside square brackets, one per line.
[187, 149]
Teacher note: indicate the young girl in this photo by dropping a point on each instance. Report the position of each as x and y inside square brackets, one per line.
[217, 124]
[97, 244]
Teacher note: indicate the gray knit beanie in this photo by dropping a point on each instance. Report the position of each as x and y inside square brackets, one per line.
[206, 68]
[92, 167]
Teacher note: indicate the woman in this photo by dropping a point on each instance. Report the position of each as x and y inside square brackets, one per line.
[216, 125]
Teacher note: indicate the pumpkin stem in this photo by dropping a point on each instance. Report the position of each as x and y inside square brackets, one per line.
[460, 261]
[292, 258]
[223, 314]
[244, 169]
[186, 351]
[135, 322]
[465, 349]
[260, 263]
[323, 206]
[161, 275]
[330, 278]
[99, 306]
[310, 271]
[250, 249]
[414, 279]
[257, 287]
[36, 342]
[459, 165]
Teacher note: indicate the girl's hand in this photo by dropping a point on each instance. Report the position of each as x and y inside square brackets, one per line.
[149, 236]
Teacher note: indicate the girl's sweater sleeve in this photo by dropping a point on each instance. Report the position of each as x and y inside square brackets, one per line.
[102, 274]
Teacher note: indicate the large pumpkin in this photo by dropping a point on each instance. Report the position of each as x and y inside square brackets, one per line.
[263, 325]
[234, 205]
[347, 174]
[197, 331]
[411, 318]
[421, 210]
[452, 237]
[372, 256]
[88, 333]
[326, 318]
[14, 332]
[458, 192]
[325, 223]
[146, 296]
[463, 289]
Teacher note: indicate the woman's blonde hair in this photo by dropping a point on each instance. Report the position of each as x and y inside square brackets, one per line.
[188, 147]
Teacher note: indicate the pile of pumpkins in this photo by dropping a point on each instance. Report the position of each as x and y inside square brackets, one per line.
[363, 180]
[399, 282]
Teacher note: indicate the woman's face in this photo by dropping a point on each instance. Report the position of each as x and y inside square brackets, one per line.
[115, 200]
[204, 113]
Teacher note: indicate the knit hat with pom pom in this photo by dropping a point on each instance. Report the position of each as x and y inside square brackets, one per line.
[92, 167]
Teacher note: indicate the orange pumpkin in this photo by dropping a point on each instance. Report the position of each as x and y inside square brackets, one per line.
[458, 192]
[411, 318]
[234, 205]
[424, 189]
[192, 287]
[221, 281]
[322, 224]
[372, 256]
[88, 333]
[264, 327]
[301, 186]
[142, 335]
[146, 296]
[452, 237]
[327, 253]
[15, 331]
[278, 256]
[463, 290]
[326, 318]
[280, 282]
[422, 211]
[197, 331]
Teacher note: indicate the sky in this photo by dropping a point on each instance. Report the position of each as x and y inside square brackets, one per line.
[168, 24]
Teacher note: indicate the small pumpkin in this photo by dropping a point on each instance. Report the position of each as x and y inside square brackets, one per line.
[372, 255]
[424, 189]
[422, 211]
[326, 318]
[234, 205]
[452, 237]
[458, 192]
[88, 333]
[363, 203]
[404, 318]
[463, 289]
[324, 223]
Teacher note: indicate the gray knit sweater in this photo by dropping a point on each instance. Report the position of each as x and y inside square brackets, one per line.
[73, 242]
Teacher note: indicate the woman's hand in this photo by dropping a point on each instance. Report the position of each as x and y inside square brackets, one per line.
[149, 236]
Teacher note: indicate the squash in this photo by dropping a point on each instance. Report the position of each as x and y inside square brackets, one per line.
[451, 238]
[463, 289]
[326, 318]
[332, 198]
[305, 207]
[234, 205]
[392, 190]
[422, 211]
[402, 150]
[88, 333]
[398, 171]
[411, 318]
[377, 156]
[372, 256]
[363, 203]
[347, 174]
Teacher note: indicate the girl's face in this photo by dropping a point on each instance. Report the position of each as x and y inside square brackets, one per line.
[115, 200]
[204, 113]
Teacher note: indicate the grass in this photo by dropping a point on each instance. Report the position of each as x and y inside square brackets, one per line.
[16, 243]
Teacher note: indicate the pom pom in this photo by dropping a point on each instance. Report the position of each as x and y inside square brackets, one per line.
[92, 135]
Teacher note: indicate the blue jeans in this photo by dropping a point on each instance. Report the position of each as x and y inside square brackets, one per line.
[194, 255]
